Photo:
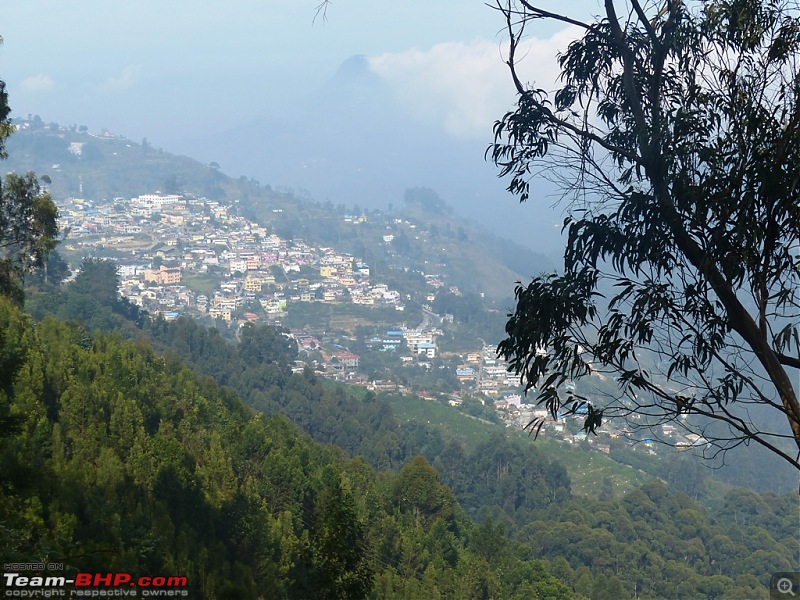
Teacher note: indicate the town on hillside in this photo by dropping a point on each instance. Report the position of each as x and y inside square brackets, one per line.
[181, 255]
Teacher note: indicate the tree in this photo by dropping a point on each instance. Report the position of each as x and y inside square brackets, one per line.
[28, 218]
[28, 231]
[339, 552]
[5, 123]
[97, 279]
[676, 135]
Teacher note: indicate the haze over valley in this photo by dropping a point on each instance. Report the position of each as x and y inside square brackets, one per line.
[353, 143]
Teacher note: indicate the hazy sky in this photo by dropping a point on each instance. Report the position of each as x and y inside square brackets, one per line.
[180, 71]
[166, 69]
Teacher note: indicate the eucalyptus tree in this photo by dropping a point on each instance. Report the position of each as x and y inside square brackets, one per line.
[675, 133]
[28, 231]
[28, 218]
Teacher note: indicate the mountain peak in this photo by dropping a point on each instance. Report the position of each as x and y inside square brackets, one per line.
[356, 79]
[357, 66]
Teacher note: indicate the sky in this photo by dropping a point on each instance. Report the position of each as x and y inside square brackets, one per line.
[172, 70]
[166, 68]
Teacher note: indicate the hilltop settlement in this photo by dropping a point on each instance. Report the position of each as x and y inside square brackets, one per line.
[183, 255]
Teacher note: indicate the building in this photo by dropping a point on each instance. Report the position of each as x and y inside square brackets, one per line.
[347, 359]
[253, 284]
[428, 350]
[221, 313]
[163, 275]
[414, 339]
[157, 201]
[465, 373]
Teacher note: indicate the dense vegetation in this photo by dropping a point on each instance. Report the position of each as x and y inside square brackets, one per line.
[114, 458]
[651, 542]
[117, 429]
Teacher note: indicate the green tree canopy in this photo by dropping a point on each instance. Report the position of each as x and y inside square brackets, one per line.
[5, 123]
[28, 231]
[676, 132]
[28, 218]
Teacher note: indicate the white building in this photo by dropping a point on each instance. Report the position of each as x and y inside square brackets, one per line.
[158, 200]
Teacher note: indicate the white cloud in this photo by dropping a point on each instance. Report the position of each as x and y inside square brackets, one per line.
[125, 81]
[466, 87]
[37, 84]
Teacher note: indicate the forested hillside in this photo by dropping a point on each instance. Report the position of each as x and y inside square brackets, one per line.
[243, 392]
[649, 543]
[152, 447]
[121, 429]
[116, 459]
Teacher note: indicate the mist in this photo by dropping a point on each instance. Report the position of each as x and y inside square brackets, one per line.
[354, 142]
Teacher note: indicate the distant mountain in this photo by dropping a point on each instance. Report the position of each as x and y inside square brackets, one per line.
[352, 143]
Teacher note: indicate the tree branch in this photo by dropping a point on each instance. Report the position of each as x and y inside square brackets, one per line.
[645, 23]
[514, 40]
[789, 361]
[539, 13]
[739, 319]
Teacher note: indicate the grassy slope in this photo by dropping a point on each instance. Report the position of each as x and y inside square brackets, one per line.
[587, 469]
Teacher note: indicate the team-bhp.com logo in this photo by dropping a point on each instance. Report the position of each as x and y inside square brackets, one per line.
[93, 585]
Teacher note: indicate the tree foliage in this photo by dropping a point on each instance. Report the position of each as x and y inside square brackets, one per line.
[28, 231]
[28, 219]
[676, 130]
[91, 298]
[245, 505]
[5, 122]
[115, 458]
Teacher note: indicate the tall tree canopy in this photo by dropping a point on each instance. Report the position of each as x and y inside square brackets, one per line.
[28, 230]
[676, 132]
[28, 218]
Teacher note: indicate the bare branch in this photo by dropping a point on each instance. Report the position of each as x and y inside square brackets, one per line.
[322, 11]
[538, 13]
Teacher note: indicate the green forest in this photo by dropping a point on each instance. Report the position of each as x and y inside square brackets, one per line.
[162, 448]
[116, 458]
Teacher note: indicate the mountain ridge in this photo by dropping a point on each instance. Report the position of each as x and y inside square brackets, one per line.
[103, 166]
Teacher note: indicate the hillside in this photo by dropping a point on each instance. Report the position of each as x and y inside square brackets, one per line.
[156, 429]
[114, 459]
[265, 500]
[101, 167]
[428, 241]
